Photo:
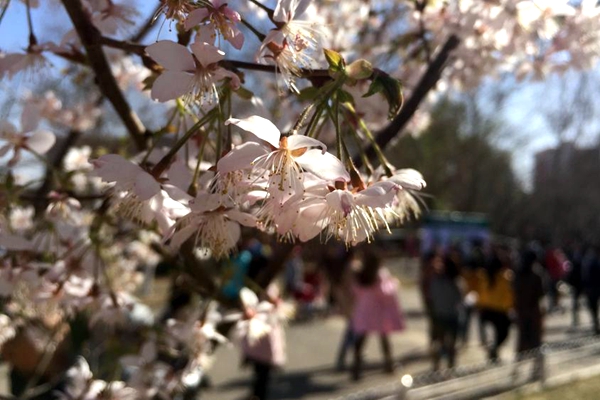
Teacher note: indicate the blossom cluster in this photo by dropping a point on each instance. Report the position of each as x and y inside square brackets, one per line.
[81, 239]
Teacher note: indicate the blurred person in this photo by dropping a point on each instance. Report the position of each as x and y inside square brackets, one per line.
[343, 297]
[495, 299]
[446, 308]
[265, 352]
[376, 309]
[591, 283]
[426, 274]
[574, 277]
[475, 262]
[554, 260]
[294, 272]
[528, 293]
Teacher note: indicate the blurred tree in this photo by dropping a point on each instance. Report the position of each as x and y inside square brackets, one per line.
[464, 169]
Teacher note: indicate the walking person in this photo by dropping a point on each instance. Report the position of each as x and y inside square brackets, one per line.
[495, 299]
[376, 309]
[447, 310]
[591, 283]
[528, 291]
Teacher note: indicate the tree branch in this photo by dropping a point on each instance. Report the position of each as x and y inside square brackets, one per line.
[428, 81]
[40, 200]
[90, 38]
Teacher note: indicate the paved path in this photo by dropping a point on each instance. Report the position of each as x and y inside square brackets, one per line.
[312, 347]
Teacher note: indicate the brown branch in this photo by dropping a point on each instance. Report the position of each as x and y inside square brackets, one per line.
[90, 38]
[144, 29]
[426, 83]
[40, 200]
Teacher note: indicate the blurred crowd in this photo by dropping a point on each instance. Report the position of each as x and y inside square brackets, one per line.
[499, 285]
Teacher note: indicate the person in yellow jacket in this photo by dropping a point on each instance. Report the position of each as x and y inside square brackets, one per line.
[495, 298]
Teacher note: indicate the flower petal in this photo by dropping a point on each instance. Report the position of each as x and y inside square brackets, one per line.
[171, 55]
[41, 141]
[145, 186]
[171, 85]
[300, 141]
[261, 127]
[325, 166]
[248, 298]
[242, 217]
[409, 179]
[379, 194]
[195, 17]
[207, 54]
[240, 157]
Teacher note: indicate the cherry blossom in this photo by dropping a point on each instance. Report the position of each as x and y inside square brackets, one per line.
[285, 159]
[191, 75]
[219, 17]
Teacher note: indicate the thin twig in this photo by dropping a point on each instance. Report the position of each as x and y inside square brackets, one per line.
[426, 83]
[90, 38]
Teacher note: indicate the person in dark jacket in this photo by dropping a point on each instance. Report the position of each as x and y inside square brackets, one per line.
[528, 293]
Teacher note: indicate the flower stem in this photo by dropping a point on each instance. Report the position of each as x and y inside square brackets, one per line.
[162, 165]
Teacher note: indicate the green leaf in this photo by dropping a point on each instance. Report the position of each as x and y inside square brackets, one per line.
[244, 93]
[390, 88]
[345, 97]
[309, 93]
[359, 69]
[335, 60]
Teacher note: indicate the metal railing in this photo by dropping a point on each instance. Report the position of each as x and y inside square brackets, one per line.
[559, 361]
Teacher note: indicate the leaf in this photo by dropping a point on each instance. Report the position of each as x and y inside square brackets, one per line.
[244, 93]
[359, 69]
[309, 93]
[335, 60]
[345, 97]
[390, 88]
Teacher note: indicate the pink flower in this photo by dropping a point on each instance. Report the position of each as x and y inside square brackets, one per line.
[291, 44]
[138, 195]
[192, 75]
[220, 18]
[38, 141]
[284, 160]
[215, 227]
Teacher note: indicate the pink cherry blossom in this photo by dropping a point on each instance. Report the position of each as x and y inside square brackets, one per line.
[220, 18]
[191, 75]
[286, 158]
[212, 226]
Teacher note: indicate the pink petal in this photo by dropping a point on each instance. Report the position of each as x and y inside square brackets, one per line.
[340, 200]
[378, 195]
[41, 141]
[182, 235]
[325, 166]
[237, 41]
[145, 186]
[207, 54]
[300, 141]
[311, 220]
[409, 179]
[240, 157]
[195, 17]
[171, 85]
[30, 117]
[171, 55]
[248, 298]
[242, 217]
[261, 127]
[113, 167]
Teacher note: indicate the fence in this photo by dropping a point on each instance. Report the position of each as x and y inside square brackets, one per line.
[559, 362]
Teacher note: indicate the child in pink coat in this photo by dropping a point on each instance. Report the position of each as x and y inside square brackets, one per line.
[376, 309]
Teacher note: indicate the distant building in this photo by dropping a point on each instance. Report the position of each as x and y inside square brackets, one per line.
[566, 193]
[564, 163]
